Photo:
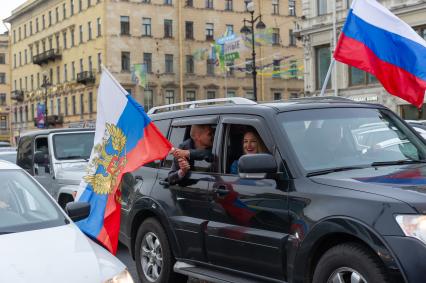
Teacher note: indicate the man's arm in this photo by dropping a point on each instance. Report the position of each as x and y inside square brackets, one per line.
[174, 176]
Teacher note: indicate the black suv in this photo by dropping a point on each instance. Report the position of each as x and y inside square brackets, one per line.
[338, 197]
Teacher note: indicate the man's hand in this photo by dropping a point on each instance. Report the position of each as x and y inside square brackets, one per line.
[184, 165]
[181, 153]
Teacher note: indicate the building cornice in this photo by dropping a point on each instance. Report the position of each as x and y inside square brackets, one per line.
[26, 7]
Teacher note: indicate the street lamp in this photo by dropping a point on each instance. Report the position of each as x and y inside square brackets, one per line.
[250, 30]
[45, 85]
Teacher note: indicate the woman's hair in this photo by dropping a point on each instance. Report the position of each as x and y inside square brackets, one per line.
[261, 148]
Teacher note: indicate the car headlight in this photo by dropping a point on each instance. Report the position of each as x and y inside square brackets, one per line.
[122, 277]
[413, 226]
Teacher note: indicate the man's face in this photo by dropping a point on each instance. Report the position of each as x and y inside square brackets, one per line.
[206, 137]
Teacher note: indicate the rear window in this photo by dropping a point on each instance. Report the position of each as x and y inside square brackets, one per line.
[73, 145]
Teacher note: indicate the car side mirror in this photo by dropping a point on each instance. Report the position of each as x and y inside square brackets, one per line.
[40, 157]
[77, 210]
[256, 166]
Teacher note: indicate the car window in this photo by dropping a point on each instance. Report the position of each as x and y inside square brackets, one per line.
[163, 126]
[24, 205]
[177, 136]
[25, 155]
[340, 137]
[73, 145]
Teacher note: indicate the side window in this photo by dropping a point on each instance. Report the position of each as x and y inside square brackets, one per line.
[40, 145]
[177, 136]
[25, 155]
[238, 141]
[163, 126]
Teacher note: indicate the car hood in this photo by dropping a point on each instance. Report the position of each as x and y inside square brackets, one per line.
[70, 173]
[59, 254]
[406, 183]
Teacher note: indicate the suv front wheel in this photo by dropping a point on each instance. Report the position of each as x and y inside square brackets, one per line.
[154, 259]
[350, 262]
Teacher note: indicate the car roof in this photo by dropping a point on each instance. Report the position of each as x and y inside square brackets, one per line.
[55, 130]
[275, 106]
[6, 165]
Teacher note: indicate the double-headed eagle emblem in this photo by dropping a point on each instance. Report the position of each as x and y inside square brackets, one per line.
[108, 161]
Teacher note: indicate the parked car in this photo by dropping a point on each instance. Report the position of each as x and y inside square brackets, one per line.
[57, 158]
[8, 154]
[320, 205]
[39, 243]
[4, 144]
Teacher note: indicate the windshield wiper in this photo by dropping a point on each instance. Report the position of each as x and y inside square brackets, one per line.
[333, 170]
[397, 162]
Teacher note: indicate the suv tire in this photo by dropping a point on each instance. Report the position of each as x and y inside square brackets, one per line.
[155, 264]
[346, 260]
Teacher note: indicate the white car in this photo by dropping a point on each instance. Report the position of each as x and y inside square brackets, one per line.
[40, 243]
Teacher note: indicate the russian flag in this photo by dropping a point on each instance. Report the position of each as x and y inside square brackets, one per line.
[376, 41]
[125, 139]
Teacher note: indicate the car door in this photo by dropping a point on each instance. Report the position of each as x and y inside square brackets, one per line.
[248, 219]
[186, 204]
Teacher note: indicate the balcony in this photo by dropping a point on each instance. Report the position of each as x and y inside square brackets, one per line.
[45, 57]
[86, 77]
[17, 95]
[53, 120]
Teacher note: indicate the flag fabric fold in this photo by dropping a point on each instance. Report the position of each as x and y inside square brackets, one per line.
[125, 139]
[376, 41]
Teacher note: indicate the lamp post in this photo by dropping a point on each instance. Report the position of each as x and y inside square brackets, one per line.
[45, 85]
[250, 30]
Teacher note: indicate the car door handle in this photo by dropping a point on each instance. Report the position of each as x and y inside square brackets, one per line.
[164, 183]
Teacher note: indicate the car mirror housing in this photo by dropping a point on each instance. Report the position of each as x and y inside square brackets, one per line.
[256, 166]
[77, 210]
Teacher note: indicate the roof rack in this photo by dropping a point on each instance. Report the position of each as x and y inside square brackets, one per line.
[198, 103]
[328, 97]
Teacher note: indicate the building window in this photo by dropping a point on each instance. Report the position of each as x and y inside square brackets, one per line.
[74, 110]
[169, 63]
[81, 65]
[209, 4]
[190, 95]
[57, 41]
[25, 30]
[32, 111]
[209, 31]
[72, 38]
[189, 64]
[51, 106]
[99, 62]
[210, 67]
[211, 94]
[147, 59]
[65, 73]
[80, 5]
[58, 106]
[31, 28]
[275, 7]
[32, 82]
[89, 30]
[82, 103]
[146, 1]
[146, 26]
[189, 30]
[64, 37]
[71, 7]
[66, 106]
[322, 7]
[2, 58]
[58, 74]
[169, 97]
[49, 18]
[89, 3]
[189, 3]
[72, 70]
[99, 27]
[2, 78]
[90, 102]
[229, 29]
[43, 24]
[277, 96]
[90, 63]
[36, 27]
[168, 2]
[81, 34]
[125, 25]
[359, 77]
[26, 113]
[228, 5]
[25, 57]
[292, 7]
[64, 11]
[249, 94]
[168, 28]
[125, 61]
[2, 99]
[275, 36]
[57, 14]
[291, 38]
[322, 62]
[148, 99]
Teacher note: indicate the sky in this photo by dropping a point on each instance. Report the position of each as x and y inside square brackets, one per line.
[6, 10]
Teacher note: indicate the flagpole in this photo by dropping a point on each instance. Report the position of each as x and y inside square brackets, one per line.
[334, 48]
[327, 77]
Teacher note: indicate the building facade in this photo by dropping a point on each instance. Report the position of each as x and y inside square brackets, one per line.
[58, 47]
[5, 134]
[316, 33]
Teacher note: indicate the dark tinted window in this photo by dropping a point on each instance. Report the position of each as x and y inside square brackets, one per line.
[25, 155]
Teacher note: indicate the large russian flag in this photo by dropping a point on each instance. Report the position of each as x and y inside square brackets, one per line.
[125, 139]
[376, 41]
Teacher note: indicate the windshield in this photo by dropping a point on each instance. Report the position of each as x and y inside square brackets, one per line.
[24, 206]
[344, 137]
[73, 145]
